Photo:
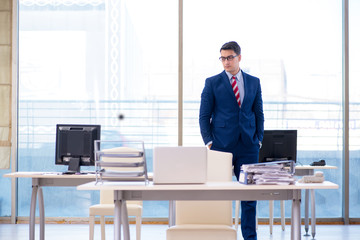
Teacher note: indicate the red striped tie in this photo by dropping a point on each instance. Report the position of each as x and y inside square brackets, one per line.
[236, 90]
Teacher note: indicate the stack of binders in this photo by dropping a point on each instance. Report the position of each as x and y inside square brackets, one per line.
[272, 173]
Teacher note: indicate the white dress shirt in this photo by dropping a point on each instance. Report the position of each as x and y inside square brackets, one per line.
[240, 83]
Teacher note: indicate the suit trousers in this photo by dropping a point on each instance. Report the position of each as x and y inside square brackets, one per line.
[243, 154]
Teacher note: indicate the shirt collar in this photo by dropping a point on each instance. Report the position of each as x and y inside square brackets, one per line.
[238, 75]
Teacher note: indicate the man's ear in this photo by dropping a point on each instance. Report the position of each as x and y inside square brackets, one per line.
[239, 56]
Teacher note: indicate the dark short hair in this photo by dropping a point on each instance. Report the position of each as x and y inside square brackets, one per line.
[231, 46]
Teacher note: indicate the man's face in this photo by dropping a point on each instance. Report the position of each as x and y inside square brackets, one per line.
[231, 66]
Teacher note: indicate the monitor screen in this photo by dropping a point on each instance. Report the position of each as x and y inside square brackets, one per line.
[278, 145]
[75, 145]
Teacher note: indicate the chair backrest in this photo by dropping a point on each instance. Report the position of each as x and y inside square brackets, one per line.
[209, 212]
[219, 166]
[107, 196]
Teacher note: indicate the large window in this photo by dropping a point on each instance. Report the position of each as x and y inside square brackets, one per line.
[88, 61]
[354, 124]
[297, 56]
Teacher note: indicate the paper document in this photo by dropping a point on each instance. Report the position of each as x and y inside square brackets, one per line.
[271, 174]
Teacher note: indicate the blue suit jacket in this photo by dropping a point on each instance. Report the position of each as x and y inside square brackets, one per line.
[222, 121]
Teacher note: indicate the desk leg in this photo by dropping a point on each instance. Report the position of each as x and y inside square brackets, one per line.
[32, 211]
[313, 219]
[296, 216]
[282, 206]
[117, 217]
[306, 213]
[125, 220]
[271, 215]
[171, 213]
[237, 209]
[41, 213]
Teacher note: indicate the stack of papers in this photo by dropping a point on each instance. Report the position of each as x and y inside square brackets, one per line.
[270, 174]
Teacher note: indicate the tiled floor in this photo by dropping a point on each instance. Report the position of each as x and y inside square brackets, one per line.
[158, 232]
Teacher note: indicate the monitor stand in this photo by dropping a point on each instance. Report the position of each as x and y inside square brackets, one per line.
[74, 166]
[275, 159]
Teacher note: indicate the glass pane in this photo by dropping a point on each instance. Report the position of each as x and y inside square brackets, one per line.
[354, 49]
[88, 62]
[5, 194]
[297, 56]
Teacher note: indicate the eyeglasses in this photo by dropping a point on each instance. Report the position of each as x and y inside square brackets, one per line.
[229, 58]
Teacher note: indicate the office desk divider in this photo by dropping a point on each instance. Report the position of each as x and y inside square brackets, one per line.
[120, 160]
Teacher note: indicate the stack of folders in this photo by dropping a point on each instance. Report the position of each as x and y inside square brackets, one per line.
[269, 174]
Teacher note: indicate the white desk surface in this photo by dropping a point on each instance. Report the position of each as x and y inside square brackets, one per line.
[140, 186]
[47, 175]
[55, 175]
[92, 175]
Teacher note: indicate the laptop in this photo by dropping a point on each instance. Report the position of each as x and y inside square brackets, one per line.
[180, 165]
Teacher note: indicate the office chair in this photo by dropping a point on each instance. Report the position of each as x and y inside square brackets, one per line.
[106, 206]
[208, 220]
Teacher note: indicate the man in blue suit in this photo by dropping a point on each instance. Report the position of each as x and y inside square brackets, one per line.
[232, 120]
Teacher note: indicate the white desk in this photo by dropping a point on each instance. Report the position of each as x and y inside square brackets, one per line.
[124, 191]
[310, 170]
[299, 171]
[47, 179]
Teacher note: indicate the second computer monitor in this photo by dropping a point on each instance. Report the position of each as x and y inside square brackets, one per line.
[75, 145]
[278, 145]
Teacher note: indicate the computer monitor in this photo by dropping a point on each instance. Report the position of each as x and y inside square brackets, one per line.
[278, 145]
[75, 145]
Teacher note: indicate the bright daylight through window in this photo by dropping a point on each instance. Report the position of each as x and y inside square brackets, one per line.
[89, 61]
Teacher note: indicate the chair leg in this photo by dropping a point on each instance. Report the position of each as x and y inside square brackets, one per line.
[102, 223]
[282, 206]
[271, 215]
[138, 228]
[237, 209]
[91, 227]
